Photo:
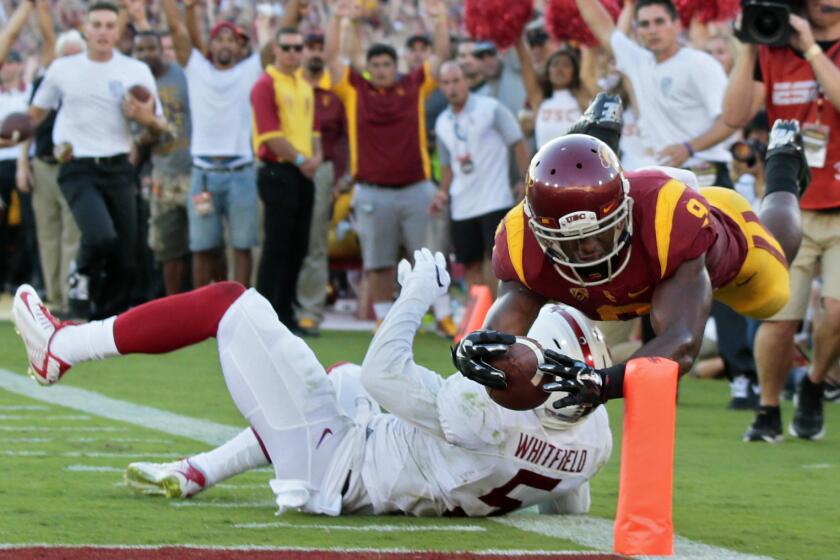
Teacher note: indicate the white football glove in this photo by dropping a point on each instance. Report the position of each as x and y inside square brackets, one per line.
[429, 273]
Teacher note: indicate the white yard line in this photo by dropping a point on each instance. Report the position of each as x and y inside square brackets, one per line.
[365, 528]
[586, 531]
[94, 468]
[19, 429]
[94, 454]
[100, 405]
[223, 505]
[61, 417]
[259, 548]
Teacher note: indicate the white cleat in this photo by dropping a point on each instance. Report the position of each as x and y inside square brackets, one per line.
[178, 479]
[36, 326]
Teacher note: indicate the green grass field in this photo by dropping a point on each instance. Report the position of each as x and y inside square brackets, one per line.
[62, 471]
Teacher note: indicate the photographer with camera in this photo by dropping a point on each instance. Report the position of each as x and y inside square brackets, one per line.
[793, 66]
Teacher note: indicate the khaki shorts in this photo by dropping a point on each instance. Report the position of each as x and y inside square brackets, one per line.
[820, 246]
[168, 222]
[388, 219]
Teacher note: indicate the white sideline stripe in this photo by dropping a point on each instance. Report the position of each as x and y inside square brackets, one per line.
[23, 407]
[224, 505]
[818, 466]
[93, 468]
[597, 533]
[62, 429]
[29, 453]
[26, 440]
[259, 548]
[583, 530]
[39, 418]
[82, 440]
[365, 528]
[94, 403]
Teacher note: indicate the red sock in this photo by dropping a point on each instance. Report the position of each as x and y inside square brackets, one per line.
[173, 322]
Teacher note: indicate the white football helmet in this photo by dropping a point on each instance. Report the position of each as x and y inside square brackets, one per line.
[566, 330]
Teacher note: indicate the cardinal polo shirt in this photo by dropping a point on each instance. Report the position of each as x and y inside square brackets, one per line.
[387, 127]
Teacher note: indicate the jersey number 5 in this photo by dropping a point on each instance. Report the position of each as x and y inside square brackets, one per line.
[499, 499]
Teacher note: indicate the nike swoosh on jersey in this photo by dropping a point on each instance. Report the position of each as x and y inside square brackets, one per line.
[325, 433]
[640, 292]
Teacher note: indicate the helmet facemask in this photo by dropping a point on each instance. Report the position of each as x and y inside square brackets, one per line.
[575, 234]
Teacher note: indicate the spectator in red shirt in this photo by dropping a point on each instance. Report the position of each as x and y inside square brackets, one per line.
[388, 155]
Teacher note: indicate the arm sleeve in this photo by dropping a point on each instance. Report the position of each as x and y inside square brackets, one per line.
[266, 116]
[253, 67]
[48, 95]
[710, 81]
[443, 153]
[505, 123]
[627, 53]
[389, 373]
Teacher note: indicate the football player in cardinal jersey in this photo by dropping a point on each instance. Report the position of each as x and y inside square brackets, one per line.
[445, 448]
[618, 244]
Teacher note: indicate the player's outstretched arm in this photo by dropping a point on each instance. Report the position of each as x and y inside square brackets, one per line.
[679, 311]
[389, 373]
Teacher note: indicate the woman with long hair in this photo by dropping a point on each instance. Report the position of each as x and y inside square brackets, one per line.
[558, 94]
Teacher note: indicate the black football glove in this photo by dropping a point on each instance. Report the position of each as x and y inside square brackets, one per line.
[470, 355]
[585, 385]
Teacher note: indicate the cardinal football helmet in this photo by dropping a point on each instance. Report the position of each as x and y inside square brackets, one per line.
[579, 209]
[566, 330]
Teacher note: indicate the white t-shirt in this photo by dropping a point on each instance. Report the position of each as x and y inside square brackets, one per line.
[13, 101]
[91, 95]
[555, 116]
[678, 99]
[481, 133]
[220, 105]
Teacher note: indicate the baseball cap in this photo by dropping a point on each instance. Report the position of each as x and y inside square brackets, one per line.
[484, 47]
[418, 37]
[232, 27]
[313, 37]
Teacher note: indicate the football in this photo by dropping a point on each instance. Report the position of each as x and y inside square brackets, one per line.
[140, 93]
[17, 127]
[524, 390]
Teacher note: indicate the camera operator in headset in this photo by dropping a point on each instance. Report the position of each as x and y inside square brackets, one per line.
[800, 80]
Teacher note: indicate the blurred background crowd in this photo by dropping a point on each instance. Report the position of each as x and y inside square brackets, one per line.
[304, 146]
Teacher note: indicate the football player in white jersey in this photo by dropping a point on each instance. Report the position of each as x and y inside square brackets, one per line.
[444, 448]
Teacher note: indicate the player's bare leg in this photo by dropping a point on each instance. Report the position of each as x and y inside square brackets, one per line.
[787, 176]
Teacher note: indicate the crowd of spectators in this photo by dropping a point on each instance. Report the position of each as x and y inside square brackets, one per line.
[264, 118]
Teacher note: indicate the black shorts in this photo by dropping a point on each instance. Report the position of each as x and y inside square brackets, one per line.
[473, 238]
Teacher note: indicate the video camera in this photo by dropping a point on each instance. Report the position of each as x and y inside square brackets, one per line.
[765, 22]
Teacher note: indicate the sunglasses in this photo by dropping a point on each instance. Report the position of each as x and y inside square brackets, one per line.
[287, 48]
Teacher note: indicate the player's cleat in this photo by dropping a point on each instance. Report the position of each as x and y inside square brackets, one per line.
[447, 328]
[786, 139]
[36, 326]
[831, 391]
[766, 427]
[808, 418]
[178, 479]
[603, 119]
[744, 395]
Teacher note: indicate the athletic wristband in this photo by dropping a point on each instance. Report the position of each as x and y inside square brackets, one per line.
[689, 148]
[299, 159]
[614, 381]
[813, 51]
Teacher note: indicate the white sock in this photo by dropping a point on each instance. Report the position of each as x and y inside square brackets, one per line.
[442, 307]
[240, 454]
[80, 343]
[381, 308]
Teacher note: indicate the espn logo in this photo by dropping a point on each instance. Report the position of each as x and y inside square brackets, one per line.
[794, 93]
